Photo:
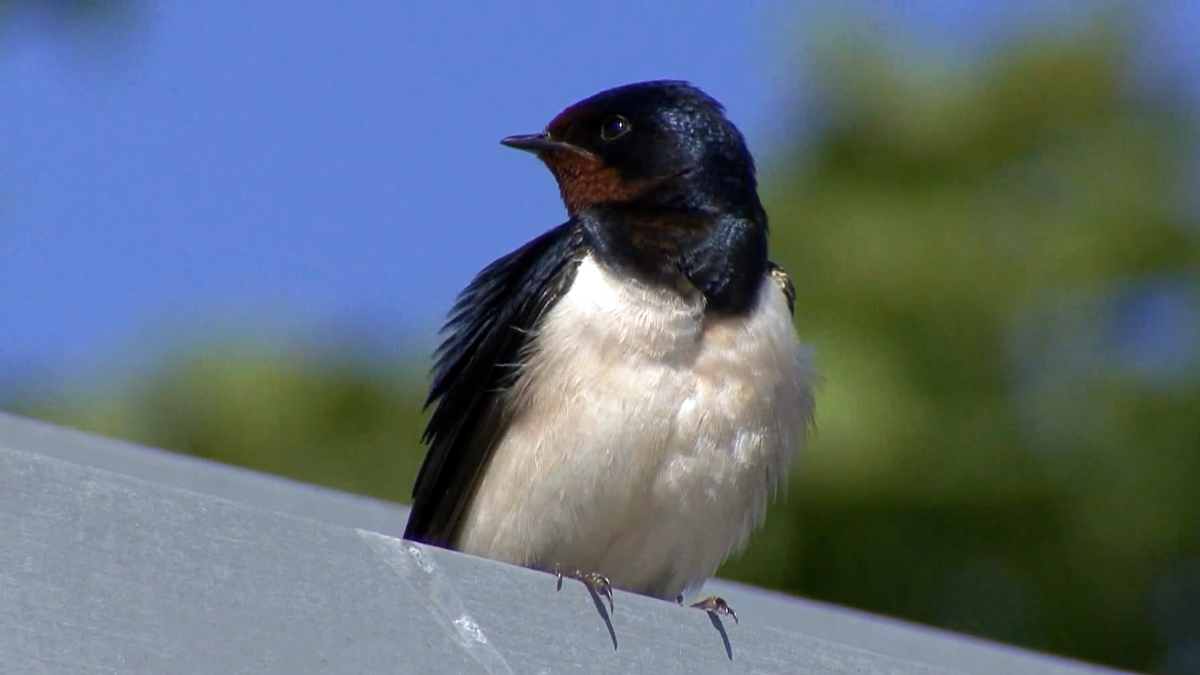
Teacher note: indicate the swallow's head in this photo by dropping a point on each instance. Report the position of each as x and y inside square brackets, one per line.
[663, 139]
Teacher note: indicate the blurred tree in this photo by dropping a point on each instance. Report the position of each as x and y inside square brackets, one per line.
[975, 249]
[64, 13]
[961, 235]
[333, 416]
[69, 22]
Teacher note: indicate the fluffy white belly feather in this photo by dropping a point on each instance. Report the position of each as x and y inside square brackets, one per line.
[645, 442]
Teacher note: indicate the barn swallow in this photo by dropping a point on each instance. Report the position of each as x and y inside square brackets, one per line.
[622, 396]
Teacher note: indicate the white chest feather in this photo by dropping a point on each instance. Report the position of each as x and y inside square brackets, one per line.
[646, 441]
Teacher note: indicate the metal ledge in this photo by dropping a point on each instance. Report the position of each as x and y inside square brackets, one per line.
[121, 559]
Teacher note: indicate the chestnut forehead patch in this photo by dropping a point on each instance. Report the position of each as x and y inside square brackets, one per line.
[563, 120]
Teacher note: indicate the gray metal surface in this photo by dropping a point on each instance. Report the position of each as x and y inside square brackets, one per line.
[120, 559]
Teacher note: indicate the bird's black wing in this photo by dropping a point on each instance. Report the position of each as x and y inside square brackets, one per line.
[488, 328]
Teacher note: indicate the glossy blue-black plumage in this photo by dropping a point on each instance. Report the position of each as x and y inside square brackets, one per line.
[721, 256]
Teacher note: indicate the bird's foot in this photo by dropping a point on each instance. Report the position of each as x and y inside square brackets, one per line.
[596, 583]
[714, 605]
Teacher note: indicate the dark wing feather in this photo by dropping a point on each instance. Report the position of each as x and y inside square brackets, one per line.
[488, 328]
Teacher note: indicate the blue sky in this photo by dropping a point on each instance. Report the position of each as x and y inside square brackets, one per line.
[293, 168]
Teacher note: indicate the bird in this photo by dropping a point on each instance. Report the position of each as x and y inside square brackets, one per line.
[624, 395]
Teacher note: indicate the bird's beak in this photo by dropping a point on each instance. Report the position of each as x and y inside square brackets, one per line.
[536, 143]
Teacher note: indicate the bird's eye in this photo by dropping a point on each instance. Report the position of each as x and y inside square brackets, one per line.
[613, 127]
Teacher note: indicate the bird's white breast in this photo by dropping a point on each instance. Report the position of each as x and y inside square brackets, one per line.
[646, 439]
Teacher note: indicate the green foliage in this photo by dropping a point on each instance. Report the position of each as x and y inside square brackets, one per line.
[984, 462]
[311, 415]
[944, 229]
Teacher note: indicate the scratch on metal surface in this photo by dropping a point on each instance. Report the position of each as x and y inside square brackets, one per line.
[446, 605]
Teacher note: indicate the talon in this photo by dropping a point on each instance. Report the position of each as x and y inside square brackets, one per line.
[595, 582]
[598, 583]
[716, 605]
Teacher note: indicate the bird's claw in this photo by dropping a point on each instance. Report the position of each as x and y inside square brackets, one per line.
[716, 605]
[595, 582]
